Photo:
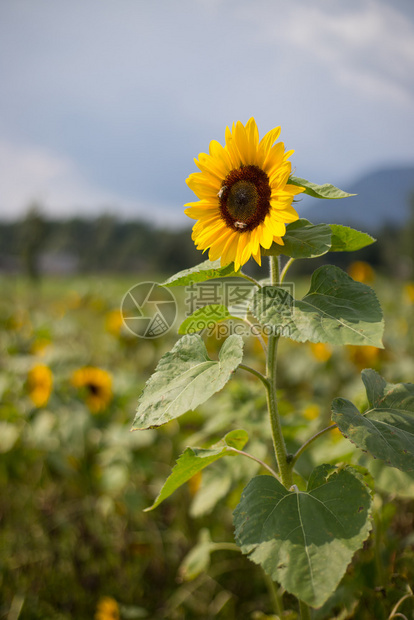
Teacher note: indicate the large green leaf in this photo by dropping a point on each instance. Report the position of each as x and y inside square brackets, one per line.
[386, 428]
[346, 239]
[336, 309]
[194, 460]
[327, 190]
[200, 273]
[303, 240]
[304, 540]
[204, 317]
[184, 378]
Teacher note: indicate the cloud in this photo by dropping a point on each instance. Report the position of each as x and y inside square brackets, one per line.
[367, 46]
[31, 174]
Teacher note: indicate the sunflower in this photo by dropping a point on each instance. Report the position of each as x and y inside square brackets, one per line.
[39, 382]
[245, 195]
[96, 385]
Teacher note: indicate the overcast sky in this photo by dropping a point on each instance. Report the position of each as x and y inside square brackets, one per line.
[104, 103]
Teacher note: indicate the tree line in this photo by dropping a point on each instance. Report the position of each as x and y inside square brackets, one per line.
[107, 244]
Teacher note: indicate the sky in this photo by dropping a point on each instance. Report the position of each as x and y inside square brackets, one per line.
[105, 103]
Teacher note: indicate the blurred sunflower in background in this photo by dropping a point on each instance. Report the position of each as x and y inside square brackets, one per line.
[408, 292]
[96, 385]
[245, 195]
[320, 351]
[107, 609]
[364, 356]
[361, 271]
[39, 383]
[114, 322]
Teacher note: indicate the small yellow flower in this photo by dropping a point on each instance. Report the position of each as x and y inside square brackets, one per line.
[363, 356]
[409, 292]
[336, 434]
[194, 483]
[245, 198]
[114, 322]
[96, 385]
[361, 272]
[40, 381]
[107, 609]
[320, 351]
[311, 412]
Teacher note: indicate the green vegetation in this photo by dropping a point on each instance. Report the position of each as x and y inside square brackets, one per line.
[75, 483]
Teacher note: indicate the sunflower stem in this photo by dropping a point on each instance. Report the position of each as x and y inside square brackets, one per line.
[246, 277]
[285, 468]
[309, 441]
[254, 458]
[285, 269]
[254, 372]
[274, 594]
[304, 611]
[274, 270]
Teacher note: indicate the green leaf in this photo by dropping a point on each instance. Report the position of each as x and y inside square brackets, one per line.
[185, 378]
[326, 191]
[386, 428]
[216, 484]
[197, 560]
[392, 481]
[204, 317]
[345, 239]
[303, 240]
[304, 540]
[336, 309]
[200, 273]
[194, 460]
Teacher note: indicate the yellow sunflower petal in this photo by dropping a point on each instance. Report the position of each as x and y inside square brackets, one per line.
[294, 190]
[265, 236]
[273, 159]
[196, 212]
[217, 247]
[212, 166]
[219, 152]
[229, 250]
[269, 139]
[247, 251]
[210, 233]
[277, 229]
[202, 186]
[258, 256]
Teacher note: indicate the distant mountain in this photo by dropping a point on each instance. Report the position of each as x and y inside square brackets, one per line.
[383, 197]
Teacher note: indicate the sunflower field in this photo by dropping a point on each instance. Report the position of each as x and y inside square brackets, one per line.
[75, 541]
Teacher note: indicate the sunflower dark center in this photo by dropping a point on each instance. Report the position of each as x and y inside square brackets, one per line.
[93, 388]
[245, 198]
[242, 200]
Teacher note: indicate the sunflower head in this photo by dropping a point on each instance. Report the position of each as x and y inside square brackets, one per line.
[39, 383]
[96, 385]
[245, 198]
